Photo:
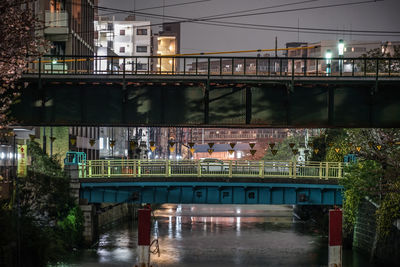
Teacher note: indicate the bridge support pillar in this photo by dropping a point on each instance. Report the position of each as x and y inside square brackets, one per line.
[335, 238]
[89, 211]
[144, 230]
[90, 223]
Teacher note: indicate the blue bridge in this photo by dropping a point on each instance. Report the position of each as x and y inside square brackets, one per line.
[219, 182]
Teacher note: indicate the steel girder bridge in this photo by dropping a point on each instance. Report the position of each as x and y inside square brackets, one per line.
[221, 182]
[211, 91]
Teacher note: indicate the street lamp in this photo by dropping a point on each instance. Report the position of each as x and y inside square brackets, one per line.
[340, 53]
[328, 58]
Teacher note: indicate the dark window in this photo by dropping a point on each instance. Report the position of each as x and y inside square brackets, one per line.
[252, 195]
[122, 49]
[121, 32]
[141, 31]
[199, 194]
[141, 49]
[110, 27]
[225, 194]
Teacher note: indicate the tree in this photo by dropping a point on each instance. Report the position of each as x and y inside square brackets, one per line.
[376, 175]
[284, 151]
[19, 45]
[382, 54]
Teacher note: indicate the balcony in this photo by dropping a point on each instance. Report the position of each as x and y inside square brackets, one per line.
[56, 25]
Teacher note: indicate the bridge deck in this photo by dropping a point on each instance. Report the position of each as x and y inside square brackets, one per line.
[220, 182]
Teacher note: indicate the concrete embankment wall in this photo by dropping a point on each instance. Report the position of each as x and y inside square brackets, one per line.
[116, 214]
[101, 216]
[365, 238]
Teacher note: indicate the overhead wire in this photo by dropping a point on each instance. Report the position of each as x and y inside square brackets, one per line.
[210, 20]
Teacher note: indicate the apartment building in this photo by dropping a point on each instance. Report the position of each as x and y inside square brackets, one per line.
[68, 25]
[167, 43]
[128, 38]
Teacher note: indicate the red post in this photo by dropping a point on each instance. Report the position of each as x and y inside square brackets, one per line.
[335, 238]
[144, 231]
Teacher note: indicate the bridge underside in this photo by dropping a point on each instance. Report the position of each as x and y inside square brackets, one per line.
[197, 102]
[211, 193]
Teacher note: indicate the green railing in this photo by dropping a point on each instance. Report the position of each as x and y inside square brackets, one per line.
[193, 168]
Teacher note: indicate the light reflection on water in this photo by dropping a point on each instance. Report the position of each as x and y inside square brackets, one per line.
[216, 236]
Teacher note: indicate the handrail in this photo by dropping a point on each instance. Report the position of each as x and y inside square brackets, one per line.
[290, 67]
[197, 168]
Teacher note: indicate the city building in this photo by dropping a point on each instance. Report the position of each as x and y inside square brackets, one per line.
[128, 38]
[351, 49]
[68, 25]
[167, 43]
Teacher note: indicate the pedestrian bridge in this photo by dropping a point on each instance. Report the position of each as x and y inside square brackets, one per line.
[218, 182]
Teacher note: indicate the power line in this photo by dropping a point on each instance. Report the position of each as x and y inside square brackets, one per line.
[209, 21]
[179, 4]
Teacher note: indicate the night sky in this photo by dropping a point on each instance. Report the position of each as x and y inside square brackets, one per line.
[369, 15]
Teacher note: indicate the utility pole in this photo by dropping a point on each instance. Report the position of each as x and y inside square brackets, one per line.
[276, 46]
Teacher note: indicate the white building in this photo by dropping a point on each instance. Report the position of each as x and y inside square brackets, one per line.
[126, 38]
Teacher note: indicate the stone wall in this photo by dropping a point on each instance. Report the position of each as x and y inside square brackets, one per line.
[365, 238]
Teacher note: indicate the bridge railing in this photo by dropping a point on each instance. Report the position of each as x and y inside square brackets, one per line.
[194, 168]
[216, 66]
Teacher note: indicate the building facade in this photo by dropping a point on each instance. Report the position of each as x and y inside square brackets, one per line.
[167, 43]
[128, 38]
[68, 25]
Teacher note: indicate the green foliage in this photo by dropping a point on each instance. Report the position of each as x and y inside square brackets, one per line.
[375, 176]
[361, 179]
[51, 223]
[71, 227]
[389, 211]
[383, 66]
[284, 151]
[327, 142]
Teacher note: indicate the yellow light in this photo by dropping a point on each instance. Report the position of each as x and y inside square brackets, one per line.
[158, 65]
[159, 52]
[170, 61]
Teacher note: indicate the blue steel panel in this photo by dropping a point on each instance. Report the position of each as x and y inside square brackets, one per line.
[110, 196]
[200, 195]
[174, 194]
[147, 195]
[328, 197]
[97, 196]
[123, 196]
[264, 195]
[212, 195]
[290, 196]
[161, 195]
[315, 196]
[251, 196]
[277, 196]
[338, 197]
[238, 195]
[187, 194]
[226, 196]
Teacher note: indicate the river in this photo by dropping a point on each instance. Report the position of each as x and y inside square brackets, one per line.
[218, 236]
